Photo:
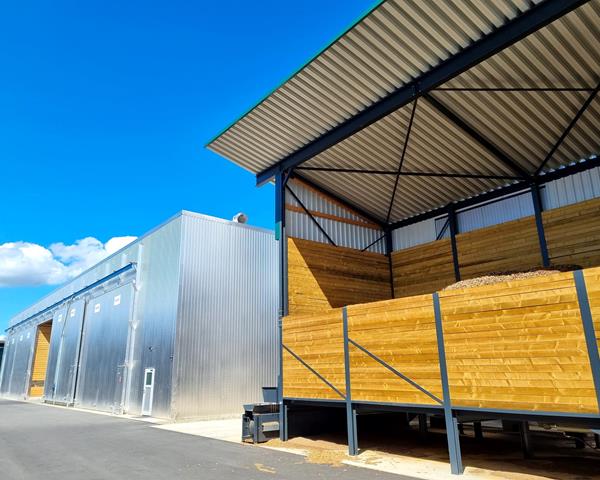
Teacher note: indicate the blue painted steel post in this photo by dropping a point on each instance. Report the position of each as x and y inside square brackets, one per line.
[350, 412]
[280, 235]
[453, 224]
[588, 329]
[456, 465]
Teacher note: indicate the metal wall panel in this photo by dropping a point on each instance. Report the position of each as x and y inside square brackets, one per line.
[64, 349]
[572, 189]
[500, 211]
[154, 317]
[226, 345]
[58, 317]
[15, 383]
[8, 358]
[415, 234]
[104, 344]
[300, 225]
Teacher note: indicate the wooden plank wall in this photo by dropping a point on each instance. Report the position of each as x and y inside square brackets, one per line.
[592, 281]
[505, 247]
[423, 269]
[319, 340]
[573, 234]
[402, 333]
[518, 345]
[322, 276]
[40, 360]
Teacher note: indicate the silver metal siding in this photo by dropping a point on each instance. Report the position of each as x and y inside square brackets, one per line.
[572, 189]
[300, 225]
[505, 210]
[415, 234]
[226, 341]
[155, 316]
[157, 282]
[15, 382]
[64, 353]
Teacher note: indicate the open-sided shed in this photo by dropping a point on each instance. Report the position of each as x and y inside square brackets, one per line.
[429, 143]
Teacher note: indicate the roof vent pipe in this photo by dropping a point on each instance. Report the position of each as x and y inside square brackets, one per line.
[240, 218]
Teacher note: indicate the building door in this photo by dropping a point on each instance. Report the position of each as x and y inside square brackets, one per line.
[148, 396]
[67, 356]
[102, 367]
[40, 359]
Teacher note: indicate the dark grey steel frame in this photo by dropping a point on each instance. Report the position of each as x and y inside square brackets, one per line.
[451, 413]
[515, 30]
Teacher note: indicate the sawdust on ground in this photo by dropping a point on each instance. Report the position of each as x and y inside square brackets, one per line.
[499, 277]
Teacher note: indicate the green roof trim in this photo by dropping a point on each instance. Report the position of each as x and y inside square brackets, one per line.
[344, 32]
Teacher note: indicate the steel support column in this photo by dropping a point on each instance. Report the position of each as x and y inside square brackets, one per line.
[389, 248]
[456, 465]
[350, 412]
[453, 224]
[526, 440]
[588, 329]
[280, 235]
[539, 223]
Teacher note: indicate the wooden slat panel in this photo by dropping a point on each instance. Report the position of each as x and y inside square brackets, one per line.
[40, 360]
[518, 345]
[319, 341]
[402, 333]
[573, 234]
[510, 246]
[423, 269]
[592, 281]
[322, 276]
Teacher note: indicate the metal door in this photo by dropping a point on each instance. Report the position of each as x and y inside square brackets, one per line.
[102, 369]
[68, 354]
[148, 396]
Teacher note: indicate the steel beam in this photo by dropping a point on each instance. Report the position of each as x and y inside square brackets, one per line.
[311, 216]
[453, 225]
[401, 162]
[564, 135]
[281, 237]
[363, 213]
[500, 192]
[366, 171]
[350, 411]
[456, 465]
[511, 32]
[539, 223]
[478, 137]
[588, 329]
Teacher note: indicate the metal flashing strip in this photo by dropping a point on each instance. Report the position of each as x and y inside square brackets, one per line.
[396, 372]
[312, 370]
[588, 328]
[91, 286]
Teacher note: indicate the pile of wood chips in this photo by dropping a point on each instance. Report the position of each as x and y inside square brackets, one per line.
[499, 277]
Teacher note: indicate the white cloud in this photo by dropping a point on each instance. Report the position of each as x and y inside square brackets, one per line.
[25, 263]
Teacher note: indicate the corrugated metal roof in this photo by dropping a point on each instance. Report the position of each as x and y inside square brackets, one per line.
[396, 43]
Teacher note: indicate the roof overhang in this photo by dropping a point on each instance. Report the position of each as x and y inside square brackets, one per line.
[420, 105]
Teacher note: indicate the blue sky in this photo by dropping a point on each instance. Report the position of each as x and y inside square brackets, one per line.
[105, 108]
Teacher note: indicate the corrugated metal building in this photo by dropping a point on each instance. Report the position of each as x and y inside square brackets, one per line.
[179, 324]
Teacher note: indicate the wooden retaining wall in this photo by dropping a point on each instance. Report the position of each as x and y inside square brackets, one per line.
[516, 345]
[322, 276]
[572, 236]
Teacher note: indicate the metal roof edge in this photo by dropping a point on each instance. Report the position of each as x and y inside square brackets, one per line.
[203, 216]
[353, 24]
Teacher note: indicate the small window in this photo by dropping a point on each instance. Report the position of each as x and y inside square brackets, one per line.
[149, 375]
